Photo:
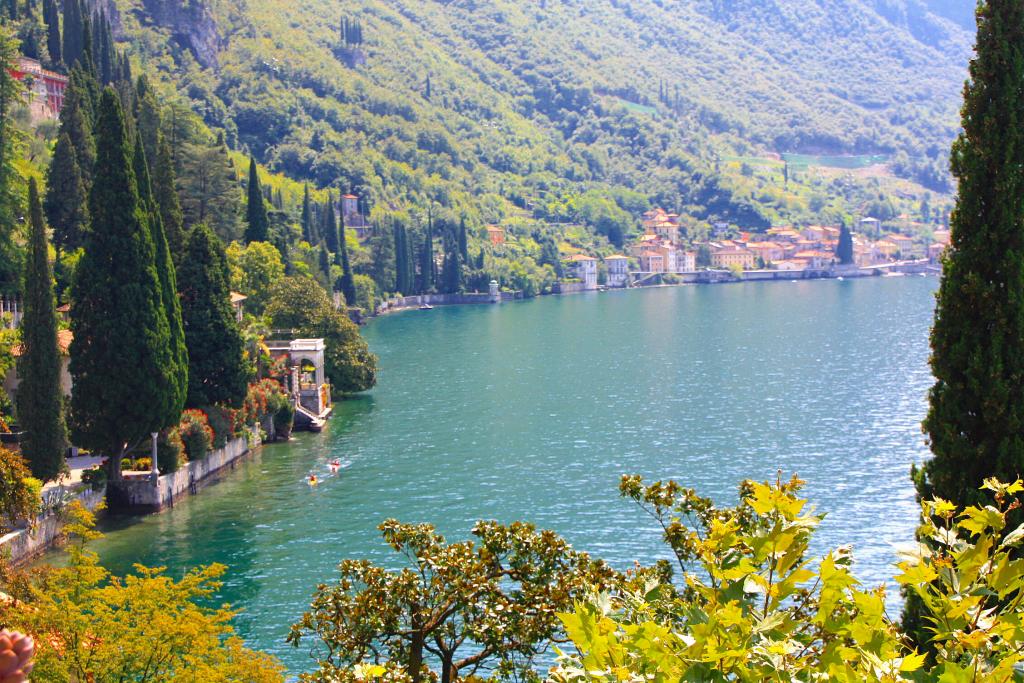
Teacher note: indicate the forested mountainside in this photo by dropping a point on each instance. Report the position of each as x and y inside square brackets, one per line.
[484, 102]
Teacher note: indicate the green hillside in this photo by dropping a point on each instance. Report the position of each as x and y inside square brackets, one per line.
[530, 102]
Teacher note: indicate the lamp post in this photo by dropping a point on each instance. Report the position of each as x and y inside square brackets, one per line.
[153, 468]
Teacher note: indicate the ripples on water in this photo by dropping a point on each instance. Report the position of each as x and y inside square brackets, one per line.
[534, 410]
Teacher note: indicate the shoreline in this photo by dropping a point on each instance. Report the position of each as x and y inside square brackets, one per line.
[701, 277]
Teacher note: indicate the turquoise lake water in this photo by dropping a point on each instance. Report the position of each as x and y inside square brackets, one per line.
[534, 410]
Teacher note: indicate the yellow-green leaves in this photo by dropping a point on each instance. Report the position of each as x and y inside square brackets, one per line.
[756, 609]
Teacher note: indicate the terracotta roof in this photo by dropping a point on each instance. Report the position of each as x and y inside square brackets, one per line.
[237, 298]
[580, 257]
[615, 256]
[64, 338]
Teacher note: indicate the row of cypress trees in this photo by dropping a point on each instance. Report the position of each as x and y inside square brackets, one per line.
[146, 342]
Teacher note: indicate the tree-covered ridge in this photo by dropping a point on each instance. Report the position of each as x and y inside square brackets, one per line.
[495, 104]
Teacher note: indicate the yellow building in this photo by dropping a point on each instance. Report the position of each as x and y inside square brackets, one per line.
[731, 257]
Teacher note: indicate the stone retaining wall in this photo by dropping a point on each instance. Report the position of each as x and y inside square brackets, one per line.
[137, 493]
[570, 288]
[22, 545]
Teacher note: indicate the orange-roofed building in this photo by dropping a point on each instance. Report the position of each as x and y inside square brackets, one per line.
[766, 251]
[816, 258]
[496, 235]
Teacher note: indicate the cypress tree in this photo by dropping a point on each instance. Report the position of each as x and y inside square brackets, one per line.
[976, 418]
[381, 245]
[217, 371]
[844, 250]
[329, 229]
[148, 122]
[66, 199]
[451, 271]
[401, 283]
[53, 39]
[427, 263]
[166, 194]
[463, 241]
[348, 285]
[177, 373]
[121, 352]
[40, 401]
[324, 261]
[307, 216]
[257, 224]
[480, 259]
[72, 45]
[76, 123]
[410, 260]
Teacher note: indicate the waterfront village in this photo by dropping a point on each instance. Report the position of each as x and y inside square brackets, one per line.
[662, 255]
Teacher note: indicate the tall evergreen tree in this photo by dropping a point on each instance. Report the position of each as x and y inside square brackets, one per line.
[216, 359]
[121, 351]
[451, 270]
[177, 373]
[347, 282]
[427, 263]
[401, 260]
[166, 195]
[382, 258]
[40, 401]
[976, 418]
[307, 216]
[410, 262]
[324, 262]
[844, 249]
[463, 241]
[73, 27]
[257, 224]
[148, 121]
[76, 123]
[329, 227]
[10, 144]
[66, 199]
[53, 39]
[209, 190]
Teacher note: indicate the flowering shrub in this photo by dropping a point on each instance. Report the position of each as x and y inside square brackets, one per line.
[265, 397]
[222, 421]
[196, 434]
[170, 451]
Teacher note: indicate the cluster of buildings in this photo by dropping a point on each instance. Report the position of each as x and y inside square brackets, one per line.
[659, 249]
[782, 248]
[814, 247]
[45, 88]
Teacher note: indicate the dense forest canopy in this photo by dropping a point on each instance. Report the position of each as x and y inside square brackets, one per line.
[488, 104]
